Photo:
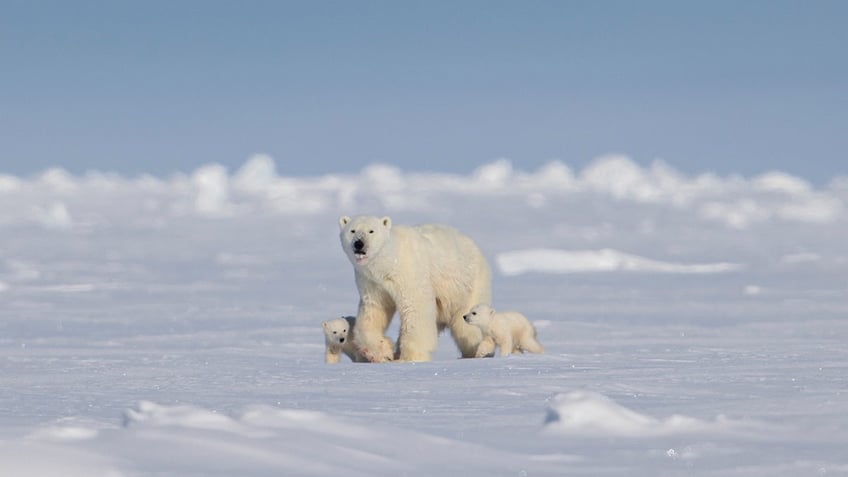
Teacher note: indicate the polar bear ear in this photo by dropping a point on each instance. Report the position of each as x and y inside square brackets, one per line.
[491, 311]
[387, 222]
[326, 326]
[343, 221]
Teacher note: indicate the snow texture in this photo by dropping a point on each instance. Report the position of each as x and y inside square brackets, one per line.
[171, 326]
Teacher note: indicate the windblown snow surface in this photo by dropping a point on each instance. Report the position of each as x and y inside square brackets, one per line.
[693, 325]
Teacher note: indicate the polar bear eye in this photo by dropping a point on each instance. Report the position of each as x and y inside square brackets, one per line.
[344, 331]
[370, 231]
[353, 231]
[335, 332]
[474, 313]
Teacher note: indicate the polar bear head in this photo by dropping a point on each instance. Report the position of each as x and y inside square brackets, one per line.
[336, 331]
[363, 236]
[480, 316]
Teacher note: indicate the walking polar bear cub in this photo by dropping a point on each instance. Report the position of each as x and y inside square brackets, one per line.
[430, 274]
[509, 330]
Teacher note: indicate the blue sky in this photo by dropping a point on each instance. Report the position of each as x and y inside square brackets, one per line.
[133, 87]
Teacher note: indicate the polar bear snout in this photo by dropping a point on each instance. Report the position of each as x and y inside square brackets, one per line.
[359, 251]
[341, 339]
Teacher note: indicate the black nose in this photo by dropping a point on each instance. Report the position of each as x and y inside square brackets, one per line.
[341, 340]
[465, 317]
[358, 244]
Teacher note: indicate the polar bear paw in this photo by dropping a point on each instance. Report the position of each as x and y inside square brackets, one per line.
[384, 354]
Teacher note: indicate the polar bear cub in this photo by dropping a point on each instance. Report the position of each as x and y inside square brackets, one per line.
[338, 337]
[509, 330]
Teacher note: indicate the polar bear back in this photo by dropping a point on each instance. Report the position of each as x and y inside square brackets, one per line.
[512, 323]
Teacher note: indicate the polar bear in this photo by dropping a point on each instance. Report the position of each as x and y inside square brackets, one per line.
[429, 274]
[338, 337]
[509, 330]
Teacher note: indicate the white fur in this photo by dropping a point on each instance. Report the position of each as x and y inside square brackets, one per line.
[430, 275]
[338, 336]
[509, 330]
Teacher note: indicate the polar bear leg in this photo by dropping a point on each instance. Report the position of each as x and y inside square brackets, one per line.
[387, 347]
[486, 348]
[331, 356]
[468, 337]
[371, 323]
[418, 330]
[505, 343]
[529, 344]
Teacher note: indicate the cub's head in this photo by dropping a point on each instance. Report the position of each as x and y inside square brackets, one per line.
[363, 236]
[480, 316]
[336, 331]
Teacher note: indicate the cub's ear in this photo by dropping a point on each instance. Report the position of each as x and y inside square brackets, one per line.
[326, 326]
[387, 222]
[492, 311]
[343, 221]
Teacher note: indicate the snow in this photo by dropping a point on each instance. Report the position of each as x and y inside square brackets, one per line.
[582, 413]
[170, 326]
[605, 260]
[212, 191]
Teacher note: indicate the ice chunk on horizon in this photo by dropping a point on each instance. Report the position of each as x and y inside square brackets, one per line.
[620, 177]
[212, 190]
[257, 174]
[605, 260]
[55, 217]
[776, 181]
[258, 188]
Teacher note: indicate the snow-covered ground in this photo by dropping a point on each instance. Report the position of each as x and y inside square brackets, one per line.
[693, 325]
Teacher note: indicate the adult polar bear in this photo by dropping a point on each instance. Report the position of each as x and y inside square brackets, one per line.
[430, 274]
